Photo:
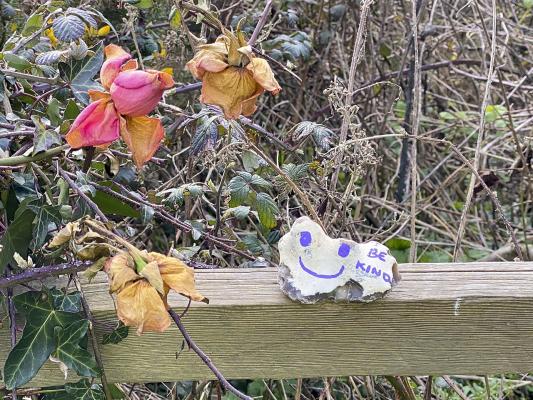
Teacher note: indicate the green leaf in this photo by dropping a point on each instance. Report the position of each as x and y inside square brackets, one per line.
[240, 212]
[82, 390]
[142, 4]
[66, 302]
[54, 112]
[528, 4]
[83, 79]
[266, 209]
[16, 238]
[47, 217]
[398, 244]
[70, 353]
[71, 110]
[37, 341]
[17, 62]
[175, 18]
[45, 140]
[68, 28]
[239, 189]
[117, 335]
[33, 24]
[109, 204]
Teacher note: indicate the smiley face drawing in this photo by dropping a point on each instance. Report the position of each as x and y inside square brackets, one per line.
[315, 266]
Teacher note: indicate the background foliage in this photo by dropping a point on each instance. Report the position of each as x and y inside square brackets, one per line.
[234, 180]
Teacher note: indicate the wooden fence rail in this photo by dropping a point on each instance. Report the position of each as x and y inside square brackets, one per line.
[474, 318]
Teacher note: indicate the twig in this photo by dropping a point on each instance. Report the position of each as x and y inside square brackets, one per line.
[207, 361]
[486, 98]
[455, 388]
[21, 160]
[94, 340]
[41, 273]
[356, 55]
[261, 23]
[30, 77]
[427, 391]
[414, 128]
[80, 192]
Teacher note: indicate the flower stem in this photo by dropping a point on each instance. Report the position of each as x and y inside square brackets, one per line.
[20, 160]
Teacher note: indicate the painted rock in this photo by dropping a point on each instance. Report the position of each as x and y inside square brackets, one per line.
[315, 267]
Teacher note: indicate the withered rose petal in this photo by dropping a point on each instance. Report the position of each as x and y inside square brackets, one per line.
[139, 305]
[116, 57]
[96, 125]
[206, 61]
[263, 75]
[234, 90]
[120, 271]
[143, 136]
[178, 276]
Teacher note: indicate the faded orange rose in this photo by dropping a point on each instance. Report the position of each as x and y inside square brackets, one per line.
[232, 77]
[142, 287]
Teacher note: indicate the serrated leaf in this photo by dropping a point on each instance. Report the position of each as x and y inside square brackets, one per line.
[68, 28]
[117, 335]
[321, 135]
[16, 238]
[69, 352]
[45, 140]
[240, 212]
[295, 172]
[267, 210]
[83, 79]
[206, 135]
[37, 341]
[50, 57]
[84, 15]
[239, 189]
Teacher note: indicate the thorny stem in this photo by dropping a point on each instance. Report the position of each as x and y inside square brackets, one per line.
[41, 273]
[94, 340]
[205, 358]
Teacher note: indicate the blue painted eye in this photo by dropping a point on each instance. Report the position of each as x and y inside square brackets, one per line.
[305, 238]
[344, 250]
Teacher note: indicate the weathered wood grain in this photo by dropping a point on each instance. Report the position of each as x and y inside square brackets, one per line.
[474, 318]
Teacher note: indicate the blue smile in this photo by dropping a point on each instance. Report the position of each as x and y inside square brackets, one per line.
[305, 241]
[322, 276]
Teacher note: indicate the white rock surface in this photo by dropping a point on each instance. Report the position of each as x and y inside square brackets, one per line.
[316, 267]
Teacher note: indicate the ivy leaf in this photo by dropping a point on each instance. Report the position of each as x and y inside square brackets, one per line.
[16, 238]
[82, 390]
[70, 352]
[46, 217]
[66, 302]
[80, 74]
[37, 341]
[117, 335]
[68, 28]
[17, 62]
[266, 210]
[45, 140]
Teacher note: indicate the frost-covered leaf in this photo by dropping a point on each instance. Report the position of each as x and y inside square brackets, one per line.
[82, 390]
[321, 135]
[206, 135]
[68, 27]
[177, 196]
[50, 57]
